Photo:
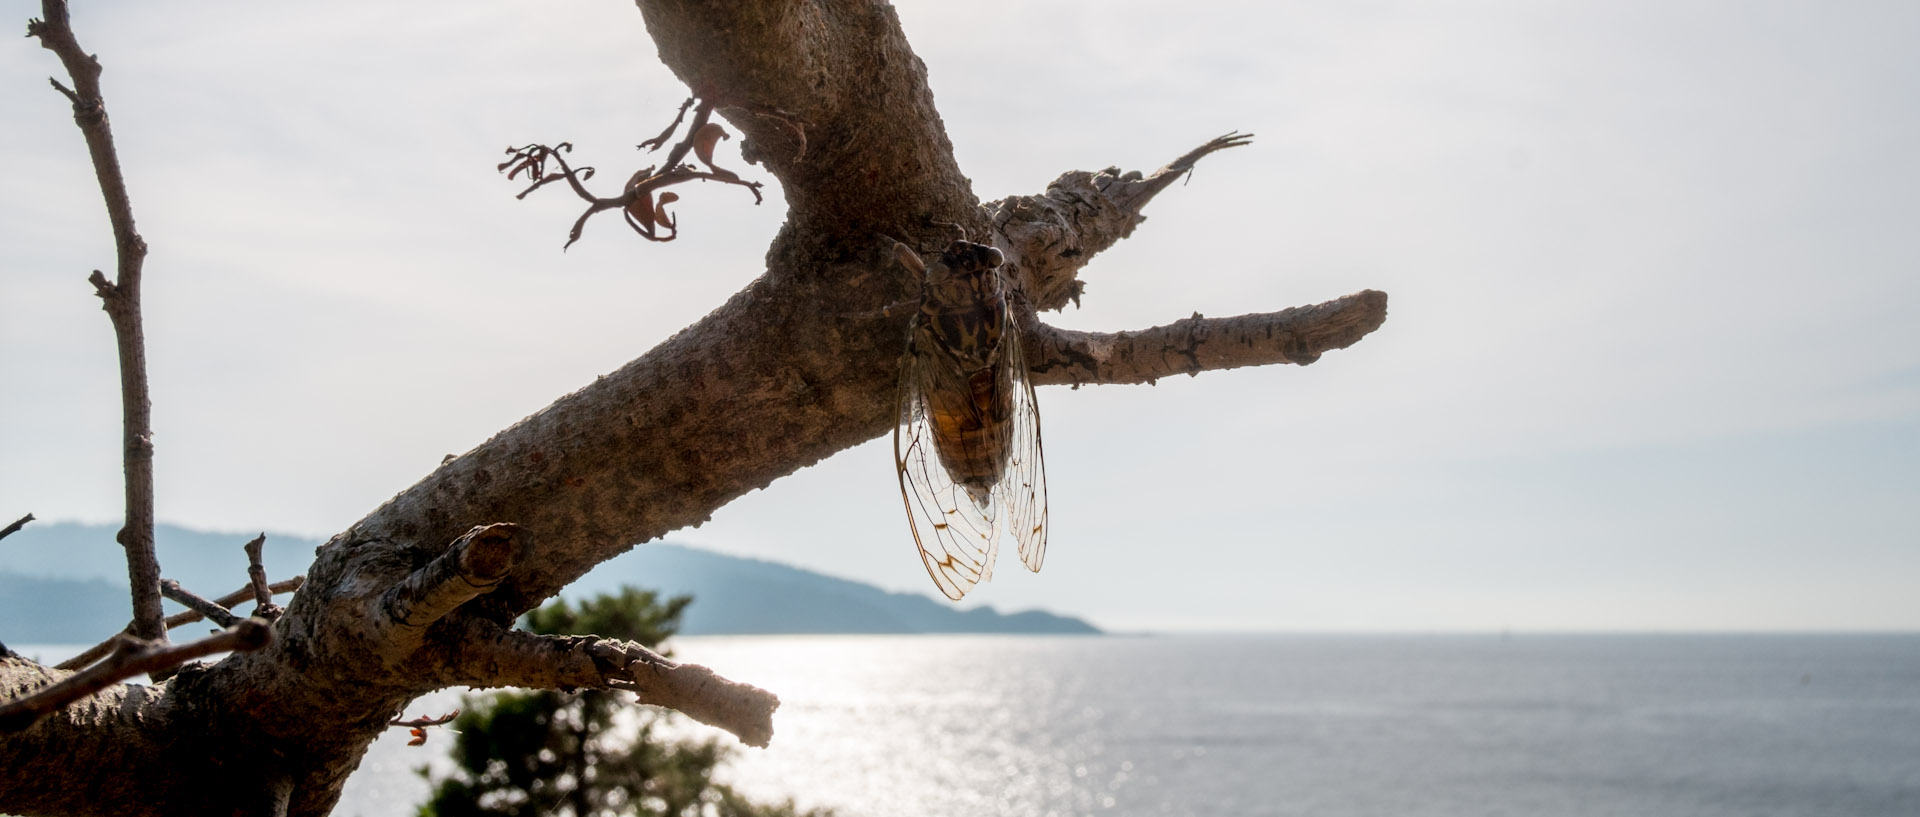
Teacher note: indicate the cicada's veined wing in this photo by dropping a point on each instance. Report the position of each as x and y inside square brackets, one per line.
[1023, 484]
[958, 536]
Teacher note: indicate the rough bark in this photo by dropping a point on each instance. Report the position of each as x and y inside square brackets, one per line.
[800, 364]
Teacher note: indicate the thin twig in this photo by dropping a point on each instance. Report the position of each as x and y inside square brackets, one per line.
[636, 200]
[193, 601]
[660, 141]
[17, 525]
[263, 605]
[679, 153]
[121, 298]
[181, 619]
[425, 721]
[418, 726]
[132, 656]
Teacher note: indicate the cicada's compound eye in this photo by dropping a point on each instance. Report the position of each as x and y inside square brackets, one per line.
[994, 258]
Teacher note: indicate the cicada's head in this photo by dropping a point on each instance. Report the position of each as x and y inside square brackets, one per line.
[970, 259]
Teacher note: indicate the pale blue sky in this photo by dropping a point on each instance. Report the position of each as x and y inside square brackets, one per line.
[1652, 360]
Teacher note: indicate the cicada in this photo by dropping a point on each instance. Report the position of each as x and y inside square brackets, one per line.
[967, 444]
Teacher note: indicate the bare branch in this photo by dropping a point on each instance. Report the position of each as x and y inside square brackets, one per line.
[471, 566]
[193, 601]
[679, 152]
[17, 525]
[1051, 237]
[660, 141]
[177, 620]
[122, 301]
[498, 657]
[132, 657]
[1197, 344]
[263, 605]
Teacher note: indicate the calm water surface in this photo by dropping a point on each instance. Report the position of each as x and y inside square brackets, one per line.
[1448, 726]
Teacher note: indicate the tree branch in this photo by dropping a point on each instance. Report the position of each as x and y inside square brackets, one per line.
[1197, 344]
[494, 657]
[197, 603]
[176, 620]
[798, 365]
[473, 565]
[263, 605]
[121, 298]
[16, 526]
[132, 657]
[1050, 237]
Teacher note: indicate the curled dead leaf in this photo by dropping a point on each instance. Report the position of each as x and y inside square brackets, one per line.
[709, 135]
[641, 208]
[660, 215]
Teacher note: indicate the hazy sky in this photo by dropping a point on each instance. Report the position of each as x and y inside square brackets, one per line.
[1652, 360]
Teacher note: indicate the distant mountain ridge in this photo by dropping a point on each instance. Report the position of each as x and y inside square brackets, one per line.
[66, 583]
[739, 596]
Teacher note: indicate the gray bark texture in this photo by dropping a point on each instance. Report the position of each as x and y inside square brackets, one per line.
[421, 594]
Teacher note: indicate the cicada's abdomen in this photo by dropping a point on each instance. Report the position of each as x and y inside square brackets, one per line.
[973, 441]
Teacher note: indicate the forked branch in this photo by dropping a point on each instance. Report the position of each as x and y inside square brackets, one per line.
[131, 657]
[644, 199]
[177, 620]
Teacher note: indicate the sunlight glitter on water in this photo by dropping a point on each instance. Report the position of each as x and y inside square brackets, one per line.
[917, 725]
[1257, 726]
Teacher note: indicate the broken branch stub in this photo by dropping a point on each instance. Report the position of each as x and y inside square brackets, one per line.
[471, 566]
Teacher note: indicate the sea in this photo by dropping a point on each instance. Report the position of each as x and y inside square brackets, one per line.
[1256, 725]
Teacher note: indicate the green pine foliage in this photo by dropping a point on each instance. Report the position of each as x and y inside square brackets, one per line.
[543, 754]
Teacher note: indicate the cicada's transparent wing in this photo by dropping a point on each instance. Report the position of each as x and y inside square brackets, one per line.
[1023, 484]
[957, 536]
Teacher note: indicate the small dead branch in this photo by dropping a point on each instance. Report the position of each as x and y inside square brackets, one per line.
[17, 525]
[642, 200]
[660, 141]
[418, 726]
[177, 620]
[121, 298]
[131, 656]
[472, 565]
[263, 605]
[1298, 335]
[498, 657]
[220, 615]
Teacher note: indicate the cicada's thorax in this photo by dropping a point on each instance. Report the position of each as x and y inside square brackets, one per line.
[962, 322]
